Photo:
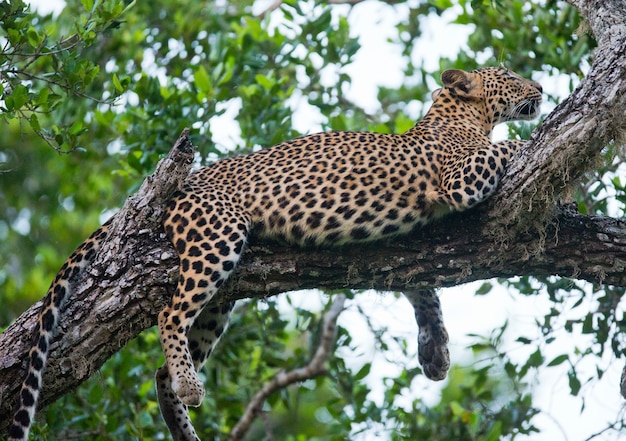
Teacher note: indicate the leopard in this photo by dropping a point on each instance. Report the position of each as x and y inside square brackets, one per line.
[323, 189]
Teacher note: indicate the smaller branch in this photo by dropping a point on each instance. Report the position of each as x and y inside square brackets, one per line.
[283, 379]
[35, 56]
[615, 426]
[73, 40]
[65, 86]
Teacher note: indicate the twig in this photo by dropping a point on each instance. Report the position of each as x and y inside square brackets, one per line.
[612, 426]
[76, 41]
[283, 379]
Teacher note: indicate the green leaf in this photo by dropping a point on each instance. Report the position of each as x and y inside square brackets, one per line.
[117, 84]
[322, 23]
[403, 123]
[536, 359]
[558, 360]
[574, 382]
[588, 324]
[34, 38]
[76, 128]
[134, 159]
[363, 372]
[228, 68]
[202, 80]
[485, 288]
[456, 408]
[34, 123]
[495, 432]
[266, 82]
[18, 97]
[42, 99]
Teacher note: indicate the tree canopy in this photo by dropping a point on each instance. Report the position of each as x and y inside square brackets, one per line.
[93, 97]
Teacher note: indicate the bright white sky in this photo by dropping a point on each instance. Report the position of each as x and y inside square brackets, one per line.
[379, 63]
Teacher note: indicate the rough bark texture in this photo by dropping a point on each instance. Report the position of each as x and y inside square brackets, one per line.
[520, 231]
[572, 136]
[115, 298]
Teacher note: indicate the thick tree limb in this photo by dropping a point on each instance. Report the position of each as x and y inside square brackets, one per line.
[123, 293]
[133, 276]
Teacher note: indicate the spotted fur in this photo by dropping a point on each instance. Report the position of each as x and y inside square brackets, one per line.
[53, 304]
[321, 189]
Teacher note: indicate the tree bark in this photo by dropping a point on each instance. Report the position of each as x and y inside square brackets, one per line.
[520, 231]
[571, 138]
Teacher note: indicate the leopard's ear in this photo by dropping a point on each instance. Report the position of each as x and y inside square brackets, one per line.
[461, 83]
[435, 94]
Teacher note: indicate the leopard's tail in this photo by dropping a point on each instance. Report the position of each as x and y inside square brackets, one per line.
[53, 305]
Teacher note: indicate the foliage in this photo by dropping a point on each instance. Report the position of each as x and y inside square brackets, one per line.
[120, 403]
[92, 98]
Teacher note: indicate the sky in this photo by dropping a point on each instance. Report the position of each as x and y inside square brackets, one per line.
[465, 314]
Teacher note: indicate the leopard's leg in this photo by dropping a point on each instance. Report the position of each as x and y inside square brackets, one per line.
[432, 341]
[203, 336]
[209, 240]
[473, 177]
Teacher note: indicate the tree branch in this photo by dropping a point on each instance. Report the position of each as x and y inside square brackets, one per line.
[571, 138]
[133, 276]
[283, 379]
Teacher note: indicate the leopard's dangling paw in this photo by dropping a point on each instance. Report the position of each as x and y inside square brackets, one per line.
[432, 349]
